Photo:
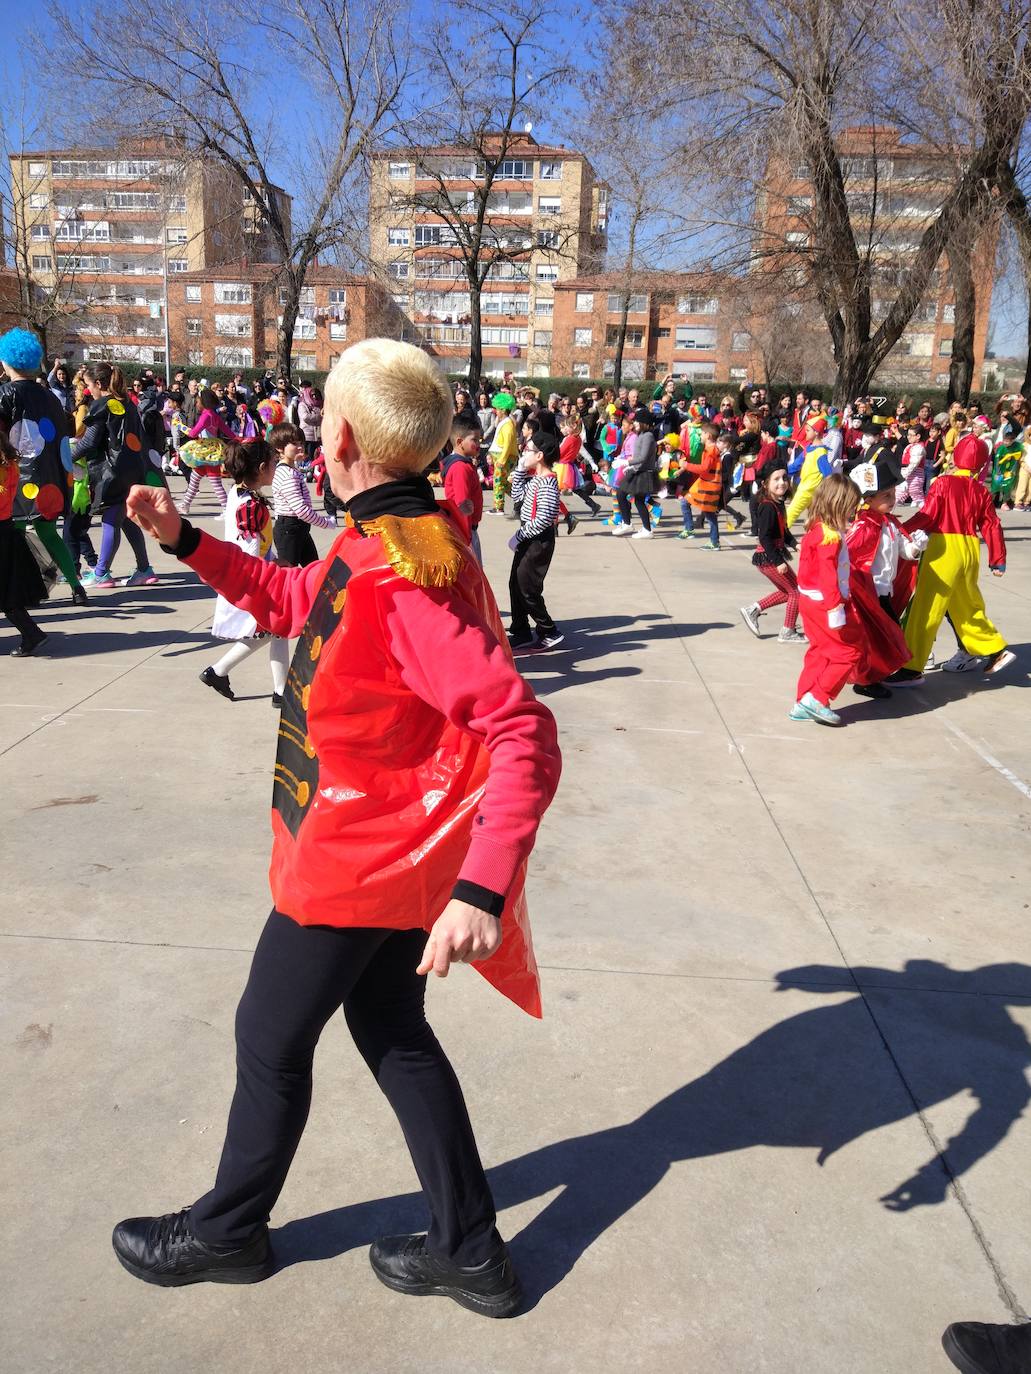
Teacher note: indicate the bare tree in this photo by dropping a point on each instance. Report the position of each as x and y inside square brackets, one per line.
[178, 75]
[801, 71]
[492, 70]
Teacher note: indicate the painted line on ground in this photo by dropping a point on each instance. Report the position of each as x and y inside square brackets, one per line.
[990, 759]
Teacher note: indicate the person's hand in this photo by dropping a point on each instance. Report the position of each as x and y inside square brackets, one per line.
[152, 509]
[461, 934]
[782, 568]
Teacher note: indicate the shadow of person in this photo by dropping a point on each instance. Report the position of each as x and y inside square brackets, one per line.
[817, 1081]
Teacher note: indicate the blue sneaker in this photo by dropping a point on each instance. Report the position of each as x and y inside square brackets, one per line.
[798, 712]
[818, 711]
[87, 577]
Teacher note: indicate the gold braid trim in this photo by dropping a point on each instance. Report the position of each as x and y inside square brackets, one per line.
[422, 549]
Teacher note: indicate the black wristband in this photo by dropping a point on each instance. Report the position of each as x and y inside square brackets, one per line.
[493, 903]
[189, 538]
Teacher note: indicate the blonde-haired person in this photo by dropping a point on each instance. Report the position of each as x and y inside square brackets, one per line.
[828, 617]
[414, 765]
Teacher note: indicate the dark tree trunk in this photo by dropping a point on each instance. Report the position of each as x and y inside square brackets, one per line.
[617, 361]
[285, 332]
[853, 375]
[961, 368]
[475, 334]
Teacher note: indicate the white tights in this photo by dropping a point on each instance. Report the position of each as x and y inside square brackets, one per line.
[279, 656]
[193, 488]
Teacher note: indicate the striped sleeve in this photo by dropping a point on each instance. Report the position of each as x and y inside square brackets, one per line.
[542, 494]
[290, 494]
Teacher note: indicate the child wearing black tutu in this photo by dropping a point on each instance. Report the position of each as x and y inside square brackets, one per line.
[21, 582]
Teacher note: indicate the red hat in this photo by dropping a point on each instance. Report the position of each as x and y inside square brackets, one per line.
[818, 426]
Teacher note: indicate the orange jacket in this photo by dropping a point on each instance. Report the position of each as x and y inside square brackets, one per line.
[707, 491]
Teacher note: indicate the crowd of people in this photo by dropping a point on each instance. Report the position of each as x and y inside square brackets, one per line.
[80, 442]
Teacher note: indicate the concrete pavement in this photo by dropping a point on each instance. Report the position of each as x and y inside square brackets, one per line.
[786, 969]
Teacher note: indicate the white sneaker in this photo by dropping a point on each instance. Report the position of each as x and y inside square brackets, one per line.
[962, 662]
[930, 664]
[642, 534]
[620, 529]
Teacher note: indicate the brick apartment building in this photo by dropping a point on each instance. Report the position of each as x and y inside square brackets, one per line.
[721, 327]
[549, 214]
[106, 231]
[228, 316]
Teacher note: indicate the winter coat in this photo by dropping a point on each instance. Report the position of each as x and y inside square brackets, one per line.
[641, 475]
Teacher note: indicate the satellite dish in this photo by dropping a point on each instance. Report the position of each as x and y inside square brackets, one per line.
[528, 127]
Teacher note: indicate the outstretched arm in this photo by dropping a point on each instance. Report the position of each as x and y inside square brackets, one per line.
[279, 599]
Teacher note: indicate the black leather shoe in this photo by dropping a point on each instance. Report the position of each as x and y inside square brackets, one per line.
[220, 683]
[163, 1250]
[79, 597]
[491, 1288]
[987, 1348]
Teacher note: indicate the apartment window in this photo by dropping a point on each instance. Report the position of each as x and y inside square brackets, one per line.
[503, 203]
[549, 205]
[920, 345]
[688, 337]
[949, 314]
[433, 233]
[178, 265]
[176, 235]
[510, 271]
[634, 336]
[584, 302]
[398, 269]
[637, 306]
[496, 334]
[545, 272]
[195, 357]
[583, 338]
[306, 296]
[698, 305]
[799, 205]
[797, 238]
[399, 238]
[233, 326]
[193, 295]
[515, 169]
[495, 303]
[41, 262]
[739, 343]
[400, 171]
[79, 262]
[305, 362]
[37, 169]
[38, 200]
[551, 171]
[661, 334]
[303, 329]
[633, 370]
[544, 307]
[400, 300]
[581, 371]
[134, 200]
[542, 338]
[441, 304]
[194, 327]
[547, 238]
[945, 348]
[234, 357]
[177, 204]
[42, 231]
[942, 379]
[338, 295]
[337, 329]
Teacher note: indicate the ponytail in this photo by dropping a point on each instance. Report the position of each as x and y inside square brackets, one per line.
[117, 386]
[107, 378]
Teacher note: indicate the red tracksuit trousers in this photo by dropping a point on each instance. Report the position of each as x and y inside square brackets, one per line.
[833, 656]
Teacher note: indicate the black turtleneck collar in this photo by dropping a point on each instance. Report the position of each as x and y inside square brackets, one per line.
[406, 496]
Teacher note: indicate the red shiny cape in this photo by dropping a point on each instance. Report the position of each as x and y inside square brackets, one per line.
[885, 648]
[375, 789]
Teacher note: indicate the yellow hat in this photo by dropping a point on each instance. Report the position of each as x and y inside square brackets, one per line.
[670, 440]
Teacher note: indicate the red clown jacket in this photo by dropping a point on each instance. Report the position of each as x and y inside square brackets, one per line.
[411, 752]
[885, 644]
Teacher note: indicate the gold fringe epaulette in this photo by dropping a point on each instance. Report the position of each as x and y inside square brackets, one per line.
[422, 549]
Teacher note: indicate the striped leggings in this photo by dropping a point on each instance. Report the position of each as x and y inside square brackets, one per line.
[786, 594]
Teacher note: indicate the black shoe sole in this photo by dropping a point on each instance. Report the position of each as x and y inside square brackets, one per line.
[957, 1356]
[505, 1304]
[253, 1273]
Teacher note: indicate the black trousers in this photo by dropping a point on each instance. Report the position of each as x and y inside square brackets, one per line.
[295, 548]
[530, 566]
[641, 502]
[300, 977]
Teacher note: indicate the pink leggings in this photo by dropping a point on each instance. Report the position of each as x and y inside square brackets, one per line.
[786, 594]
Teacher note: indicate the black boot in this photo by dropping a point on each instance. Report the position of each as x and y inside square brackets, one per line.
[490, 1288]
[988, 1348]
[79, 597]
[164, 1251]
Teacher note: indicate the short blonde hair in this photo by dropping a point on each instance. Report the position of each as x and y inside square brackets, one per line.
[396, 400]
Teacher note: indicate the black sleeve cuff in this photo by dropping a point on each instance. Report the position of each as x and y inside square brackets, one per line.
[491, 902]
[189, 538]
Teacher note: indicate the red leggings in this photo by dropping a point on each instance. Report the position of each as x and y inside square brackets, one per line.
[786, 594]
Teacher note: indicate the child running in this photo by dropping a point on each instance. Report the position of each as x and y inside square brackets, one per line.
[706, 492]
[835, 650]
[202, 454]
[292, 509]
[536, 492]
[248, 524]
[772, 557]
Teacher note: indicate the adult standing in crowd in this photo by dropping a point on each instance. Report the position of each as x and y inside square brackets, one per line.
[60, 384]
[309, 415]
[640, 479]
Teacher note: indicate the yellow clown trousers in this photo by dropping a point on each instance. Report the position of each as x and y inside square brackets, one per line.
[809, 479]
[948, 583]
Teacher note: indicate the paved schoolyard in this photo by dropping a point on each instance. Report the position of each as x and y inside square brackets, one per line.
[785, 970]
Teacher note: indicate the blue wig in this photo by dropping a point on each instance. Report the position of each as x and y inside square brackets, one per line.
[21, 349]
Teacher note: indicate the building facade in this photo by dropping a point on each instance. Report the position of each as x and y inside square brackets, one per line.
[545, 222]
[228, 316]
[107, 232]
